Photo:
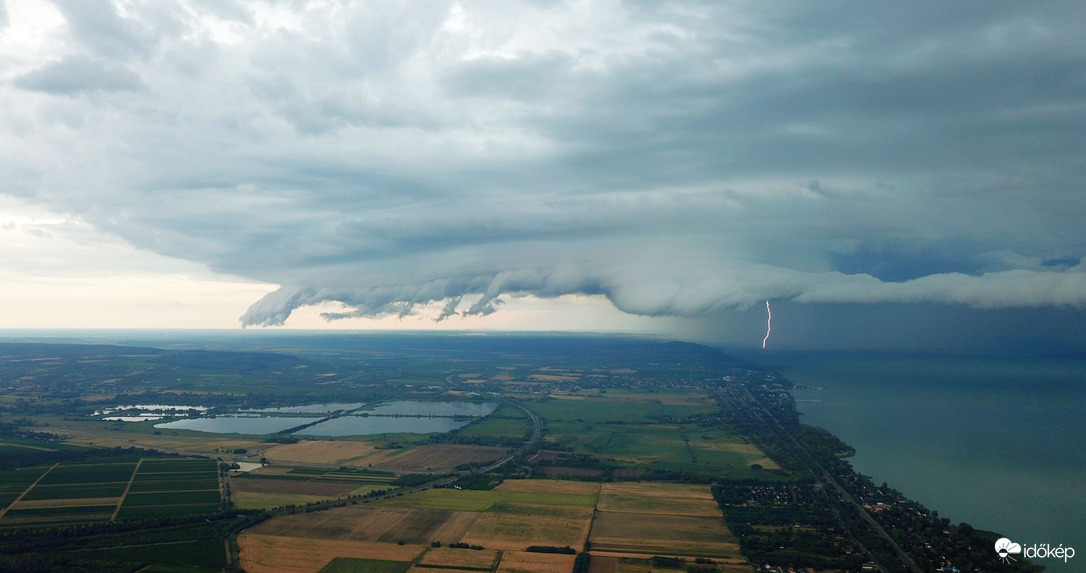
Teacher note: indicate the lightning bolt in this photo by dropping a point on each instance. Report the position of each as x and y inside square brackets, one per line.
[768, 323]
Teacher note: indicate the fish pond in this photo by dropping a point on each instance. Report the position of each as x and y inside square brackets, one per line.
[353, 419]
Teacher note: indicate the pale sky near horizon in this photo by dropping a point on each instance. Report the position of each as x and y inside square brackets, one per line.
[886, 174]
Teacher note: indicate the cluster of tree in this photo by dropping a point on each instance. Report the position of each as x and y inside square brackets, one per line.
[567, 550]
[466, 546]
[582, 562]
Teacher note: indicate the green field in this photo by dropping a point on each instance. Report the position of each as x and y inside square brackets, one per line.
[88, 473]
[22, 476]
[72, 491]
[172, 498]
[174, 465]
[611, 410]
[350, 565]
[60, 511]
[138, 512]
[206, 553]
[148, 486]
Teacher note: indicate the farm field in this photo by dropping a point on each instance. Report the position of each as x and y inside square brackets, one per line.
[550, 487]
[79, 493]
[278, 486]
[657, 497]
[441, 457]
[351, 565]
[373, 524]
[504, 422]
[657, 534]
[449, 558]
[524, 562]
[516, 527]
[332, 452]
[476, 500]
[276, 554]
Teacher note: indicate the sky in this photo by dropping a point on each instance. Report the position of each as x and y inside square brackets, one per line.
[887, 175]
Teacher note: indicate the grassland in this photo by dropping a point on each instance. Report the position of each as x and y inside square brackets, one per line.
[648, 430]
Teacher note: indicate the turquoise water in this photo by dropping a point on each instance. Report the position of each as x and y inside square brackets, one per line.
[999, 443]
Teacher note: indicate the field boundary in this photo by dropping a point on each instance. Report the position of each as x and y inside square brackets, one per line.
[127, 487]
[28, 488]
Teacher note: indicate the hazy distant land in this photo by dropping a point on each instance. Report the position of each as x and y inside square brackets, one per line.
[383, 452]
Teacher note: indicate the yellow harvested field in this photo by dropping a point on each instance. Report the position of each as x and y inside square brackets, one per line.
[426, 458]
[332, 452]
[369, 523]
[750, 452]
[277, 554]
[550, 486]
[446, 557]
[659, 498]
[554, 378]
[524, 562]
[656, 534]
[516, 527]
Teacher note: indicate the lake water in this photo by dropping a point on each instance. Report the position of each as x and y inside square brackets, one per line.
[310, 408]
[404, 416]
[368, 426]
[999, 443]
[418, 408]
[237, 424]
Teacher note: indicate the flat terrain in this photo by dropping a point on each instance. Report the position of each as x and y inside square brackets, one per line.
[660, 498]
[447, 557]
[475, 500]
[89, 492]
[656, 534]
[550, 487]
[368, 523]
[332, 452]
[524, 562]
[516, 527]
[275, 554]
[440, 457]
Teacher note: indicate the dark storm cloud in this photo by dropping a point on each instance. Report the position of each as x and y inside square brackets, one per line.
[679, 158]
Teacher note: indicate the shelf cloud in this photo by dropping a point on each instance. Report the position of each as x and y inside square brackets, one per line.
[678, 158]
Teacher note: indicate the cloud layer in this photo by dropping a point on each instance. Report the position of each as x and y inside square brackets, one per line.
[678, 158]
